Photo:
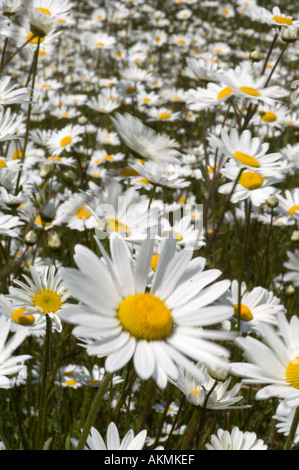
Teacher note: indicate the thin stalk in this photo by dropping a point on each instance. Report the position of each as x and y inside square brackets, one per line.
[14, 54]
[35, 61]
[4, 440]
[203, 415]
[42, 413]
[294, 426]
[243, 260]
[94, 410]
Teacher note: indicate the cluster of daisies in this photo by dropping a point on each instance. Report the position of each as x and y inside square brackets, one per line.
[149, 215]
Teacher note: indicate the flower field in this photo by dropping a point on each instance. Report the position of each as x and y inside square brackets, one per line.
[149, 224]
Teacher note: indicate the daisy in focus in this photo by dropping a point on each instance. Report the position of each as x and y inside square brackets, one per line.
[159, 329]
[273, 361]
[235, 440]
[44, 294]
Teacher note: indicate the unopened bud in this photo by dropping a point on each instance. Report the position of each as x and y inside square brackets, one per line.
[217, 373]
[272, 202]
[256, 55]
[289, 34]
[45, 171]
[31, 238]
[82, 120]
[290, 290]
[295, 236]
[54, 241]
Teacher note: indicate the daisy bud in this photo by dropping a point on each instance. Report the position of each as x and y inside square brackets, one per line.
[256, 55]
[70, 176]
[295, 236]
[45, 171]
[272, 202]
[48, 213]
[290, 290]
[54, 241]
[31, 238]
[82, 120]
[217, 373]
[289, 34]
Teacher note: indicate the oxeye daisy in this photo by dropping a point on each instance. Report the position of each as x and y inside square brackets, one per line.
[258, 306]
[64, 139]
[235, 440]
[289, 204]
[217, 392]
[19, 321]
[113, 441]
[250, 153]
[158, 327]
[204, 98]
[44, 294]
[145, 141]
[251, 185]
[10, 364]
[292, 266]
[273, 361]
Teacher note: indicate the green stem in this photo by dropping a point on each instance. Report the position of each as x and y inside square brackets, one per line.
[293, 430]
[35, 61]
[42, 409]
[243, 260]
[94, 410]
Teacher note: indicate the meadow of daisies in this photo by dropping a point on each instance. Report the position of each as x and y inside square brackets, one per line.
[149, 210]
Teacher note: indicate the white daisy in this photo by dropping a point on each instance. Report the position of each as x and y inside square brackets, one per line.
[292, 265]
[19, 321]
[113, 442]
[158, 328]
[257, 307]
[197, 391]
[145, 141]
[44, 294]
[289, 204]
[10, 364]
[273, 360]
[64, 139]
[235, 440]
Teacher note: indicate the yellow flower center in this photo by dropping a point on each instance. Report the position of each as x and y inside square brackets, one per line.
[251, 180]
[43, 10]
[246, 159]
[282, 20]
[249, 90]
[245, 313]
[146, 317]
[269, 116]
[21, 319]
[116, 226]
[100, 44]
[48, 300]
[54, 157]
[154, 262]
[294, 209]
[292, 373]
[2, 163]
[34, 39]
[224, 93]
[70, 382]
[65, 141]
[17, 154]
[83, 213]
[195, 392]
[164, 115]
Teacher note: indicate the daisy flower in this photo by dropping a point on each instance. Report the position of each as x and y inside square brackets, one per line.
[9, 225]
[235, 440]
[10, 124]
[19, 321]
[162, 174]
[272, 18]
[251, 185]
[201, 69]
[44, 294]
[159, 328]
[145, 141]
[64, 139]
[243, 83]
[52, 7]
[204, 98]
[10, 364]
[113, 441]
[76, 214]
[292, 265]
[250, 153]
[289, 204]
[258, 306]
[196, 391]
[285, 416]
[273, 360]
